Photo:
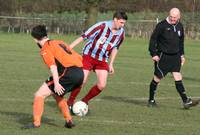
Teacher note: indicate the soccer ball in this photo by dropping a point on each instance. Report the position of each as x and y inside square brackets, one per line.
[80, 108]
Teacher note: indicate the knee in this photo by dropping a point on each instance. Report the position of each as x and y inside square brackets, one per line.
[83, 84]
[39, 94]
[101, 86]
[177, 76]
[156, 79]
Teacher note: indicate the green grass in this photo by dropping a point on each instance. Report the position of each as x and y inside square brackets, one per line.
[119, 110]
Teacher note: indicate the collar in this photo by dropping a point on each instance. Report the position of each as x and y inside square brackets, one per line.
[109, 25]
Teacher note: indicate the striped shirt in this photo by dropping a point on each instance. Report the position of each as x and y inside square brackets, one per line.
[101, 40]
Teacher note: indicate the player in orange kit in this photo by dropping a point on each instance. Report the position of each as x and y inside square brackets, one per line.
[67, 74]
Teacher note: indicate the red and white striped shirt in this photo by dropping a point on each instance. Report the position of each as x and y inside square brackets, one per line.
[101, 40]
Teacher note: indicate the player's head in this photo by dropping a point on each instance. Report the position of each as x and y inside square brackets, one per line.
[174, 15]
[39, 32]
[119, 19]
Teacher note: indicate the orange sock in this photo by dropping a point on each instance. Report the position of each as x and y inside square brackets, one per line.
[38, 108]
[62, 104]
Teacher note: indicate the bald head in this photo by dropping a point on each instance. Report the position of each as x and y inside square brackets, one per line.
[174, 15]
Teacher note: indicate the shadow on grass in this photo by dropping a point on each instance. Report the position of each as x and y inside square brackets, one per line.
[52, 104]
[25, 118]
[189, 78]
[126, 100]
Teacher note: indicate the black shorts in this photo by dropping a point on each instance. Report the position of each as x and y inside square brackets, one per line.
[71, 78]
[168, 63]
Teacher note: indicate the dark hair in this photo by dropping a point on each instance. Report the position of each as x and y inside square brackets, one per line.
[39, 32]
[120, 15]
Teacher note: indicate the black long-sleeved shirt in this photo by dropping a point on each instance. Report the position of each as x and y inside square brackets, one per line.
[167, 38]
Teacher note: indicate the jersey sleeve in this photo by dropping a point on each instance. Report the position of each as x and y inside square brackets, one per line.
[121, 39]
[48, 57]
[153, 40]
[182, 41]
[93, 30]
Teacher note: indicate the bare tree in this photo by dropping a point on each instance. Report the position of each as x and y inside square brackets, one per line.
[92, 10]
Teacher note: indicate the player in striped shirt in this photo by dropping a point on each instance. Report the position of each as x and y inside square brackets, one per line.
[103, 42]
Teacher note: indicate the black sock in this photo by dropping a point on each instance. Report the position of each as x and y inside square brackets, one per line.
[153, 86]
[181, 90]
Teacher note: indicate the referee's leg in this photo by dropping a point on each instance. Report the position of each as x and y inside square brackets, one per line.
[179, 85]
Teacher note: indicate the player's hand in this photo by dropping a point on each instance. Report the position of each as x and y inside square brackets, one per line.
[59, 89]
[182, 60]
[111, 69]
[156, 58]
[69, 48]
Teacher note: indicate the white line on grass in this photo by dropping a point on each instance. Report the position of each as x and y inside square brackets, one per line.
[96, 100]
[101, 121]
[132, 82]
[115, 122]
[133, 123]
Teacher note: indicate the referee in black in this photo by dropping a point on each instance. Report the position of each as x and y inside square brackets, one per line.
[167, 50]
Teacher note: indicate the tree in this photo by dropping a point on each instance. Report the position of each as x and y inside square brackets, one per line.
[92, 10]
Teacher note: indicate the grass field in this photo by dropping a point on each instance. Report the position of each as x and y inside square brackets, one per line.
[119, 110]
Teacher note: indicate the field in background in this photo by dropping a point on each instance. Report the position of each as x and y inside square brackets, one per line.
[119, 110]
[139, 24]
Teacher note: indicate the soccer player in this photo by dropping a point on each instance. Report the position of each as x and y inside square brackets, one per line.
[167, 50]
[103, 40]
[66, 68]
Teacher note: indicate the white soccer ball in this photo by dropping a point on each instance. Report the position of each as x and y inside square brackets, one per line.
[80, 108]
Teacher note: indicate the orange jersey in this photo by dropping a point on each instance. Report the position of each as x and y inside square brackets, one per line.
[56, 52]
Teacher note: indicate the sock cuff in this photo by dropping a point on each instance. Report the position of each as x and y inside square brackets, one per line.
[38, 98]
[154, 82]
[178, 82]
[96, 87]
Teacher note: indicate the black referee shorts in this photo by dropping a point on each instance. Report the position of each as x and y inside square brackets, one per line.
[71, 79]
[168, 63]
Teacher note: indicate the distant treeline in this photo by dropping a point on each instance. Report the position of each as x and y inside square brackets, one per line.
[13, 7]
[73, 16]
[140, 24]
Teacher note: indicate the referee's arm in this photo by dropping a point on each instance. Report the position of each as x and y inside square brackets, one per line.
[153, 41]
[181, 46]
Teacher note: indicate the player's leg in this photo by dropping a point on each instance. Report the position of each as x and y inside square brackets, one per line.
[62, 104]
[179, 85]
[159, 73]
[153, 86]
[96, 89]
[88, 64]
[152, 91]
[38, 104]
[76, 91]
[187, 102]
[176, 62]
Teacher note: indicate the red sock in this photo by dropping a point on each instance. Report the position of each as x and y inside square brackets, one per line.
[94, 91]
[73, 95]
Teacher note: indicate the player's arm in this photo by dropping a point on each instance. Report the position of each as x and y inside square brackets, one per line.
[153, 42]
[76, 42]
[112, 59]
[114, 53]
[182, 47]
[87, 34]
[49, 60]
[57, 86]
